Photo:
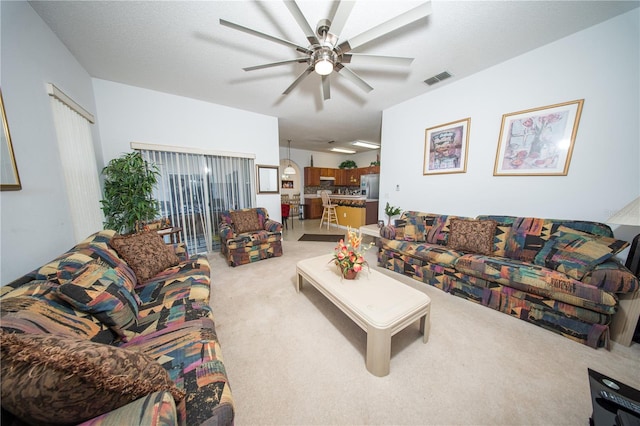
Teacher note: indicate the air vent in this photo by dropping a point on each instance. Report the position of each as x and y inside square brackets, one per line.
[437, 78]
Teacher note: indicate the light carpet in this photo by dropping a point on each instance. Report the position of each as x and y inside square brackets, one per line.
[295, 359]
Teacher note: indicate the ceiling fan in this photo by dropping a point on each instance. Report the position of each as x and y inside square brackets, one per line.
[324, 54]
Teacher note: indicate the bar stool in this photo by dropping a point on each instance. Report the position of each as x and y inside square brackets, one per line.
[329, 210]
[294, 203]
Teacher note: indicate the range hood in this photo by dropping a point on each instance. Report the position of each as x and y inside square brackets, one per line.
[327, 178]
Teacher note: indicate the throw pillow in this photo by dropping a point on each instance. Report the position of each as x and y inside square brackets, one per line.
[575, 253]
[475, 236]
[245, 221]
[145, 252]
[414, 229]
[388, 232]
[104, 292]
[53, 379]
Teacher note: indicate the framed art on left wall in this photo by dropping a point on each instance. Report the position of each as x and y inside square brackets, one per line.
[445, 148]
[10, 179]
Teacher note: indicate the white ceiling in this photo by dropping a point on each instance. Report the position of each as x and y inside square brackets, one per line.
[179, 47]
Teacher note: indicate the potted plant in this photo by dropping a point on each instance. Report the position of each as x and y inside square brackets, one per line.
[391, 211]
[348, 164]
[128, 192]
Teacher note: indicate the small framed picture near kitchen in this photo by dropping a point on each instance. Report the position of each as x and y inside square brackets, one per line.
[268, 179]
[538, 141]
[445, 148]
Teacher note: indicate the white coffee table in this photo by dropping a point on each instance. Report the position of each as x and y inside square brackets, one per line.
[378, 304]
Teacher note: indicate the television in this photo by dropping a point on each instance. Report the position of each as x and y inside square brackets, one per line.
[614, 403]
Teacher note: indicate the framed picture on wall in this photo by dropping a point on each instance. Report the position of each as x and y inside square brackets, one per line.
[268, 179]
[538, 141]
[287, 184]
[10, 178]
[445, 148]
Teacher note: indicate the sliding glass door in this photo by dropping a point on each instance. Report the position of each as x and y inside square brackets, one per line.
[194, 188]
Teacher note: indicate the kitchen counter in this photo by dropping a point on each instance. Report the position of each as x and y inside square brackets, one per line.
[352, 210]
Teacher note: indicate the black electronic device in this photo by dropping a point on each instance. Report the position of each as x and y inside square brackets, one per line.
[614, 403]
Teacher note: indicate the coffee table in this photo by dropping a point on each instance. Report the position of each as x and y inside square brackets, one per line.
[378, 304]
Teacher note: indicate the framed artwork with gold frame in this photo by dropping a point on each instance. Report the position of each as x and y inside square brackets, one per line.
[445, 148]
[10, 179]
[538, 141]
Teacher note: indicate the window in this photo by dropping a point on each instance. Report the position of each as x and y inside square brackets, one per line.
[193, 188]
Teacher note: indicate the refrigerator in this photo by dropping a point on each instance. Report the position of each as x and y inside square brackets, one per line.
[370, 186]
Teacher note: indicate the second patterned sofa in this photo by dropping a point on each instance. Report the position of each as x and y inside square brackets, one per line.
[117, 330]
[248, 235]
[558, 274]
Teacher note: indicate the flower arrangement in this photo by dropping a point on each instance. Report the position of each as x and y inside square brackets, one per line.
[349, 256]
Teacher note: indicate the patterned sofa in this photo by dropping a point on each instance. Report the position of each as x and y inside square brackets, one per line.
[91, 338]
[557, 274]
[248, 235]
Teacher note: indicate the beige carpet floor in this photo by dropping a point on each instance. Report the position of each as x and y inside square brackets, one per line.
[294, 359]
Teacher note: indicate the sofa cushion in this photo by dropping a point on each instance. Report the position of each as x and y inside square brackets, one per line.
[157, 408]
[537, 280]
[190, 352]
[245, 220]
[469, 235]
[36, 307]
[525, 239]
[414, 229]
[575, 253]
[25, 314]
[433, 253]
[503, 229]
[437, 231]
[59, 379]
[104, 292]
[145, 252]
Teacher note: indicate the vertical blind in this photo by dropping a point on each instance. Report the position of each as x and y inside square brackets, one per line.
[78, 160]
[193, 189]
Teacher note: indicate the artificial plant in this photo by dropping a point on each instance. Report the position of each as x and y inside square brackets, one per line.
[391, 211]
[348, 164]
[128, 192]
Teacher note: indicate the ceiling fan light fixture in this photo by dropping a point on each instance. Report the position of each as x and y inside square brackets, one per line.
[324, 67]
[323, 61]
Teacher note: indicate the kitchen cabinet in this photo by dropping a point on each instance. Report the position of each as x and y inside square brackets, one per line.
[341, 177]
[353, 177]
[371, 216]
[313, 208]
[353, 217]
[327, 172]
[371, 170]
[311, 176]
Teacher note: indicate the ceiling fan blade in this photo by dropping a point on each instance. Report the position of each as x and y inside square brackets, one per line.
[353, 77]
[386, 27]
[302, 21]
[297, 81]
[338, 20]
[355, 58]
[326, 89]
[275, 64]
[264, 36]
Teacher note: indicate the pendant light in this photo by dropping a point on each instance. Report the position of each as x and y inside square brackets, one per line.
[289, 170]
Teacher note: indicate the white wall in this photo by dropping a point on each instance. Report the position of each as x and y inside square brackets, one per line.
[132, 114]
[35, 221]
[599, 65]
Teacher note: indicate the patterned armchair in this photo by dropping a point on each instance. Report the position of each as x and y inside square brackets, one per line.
[248, 235]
